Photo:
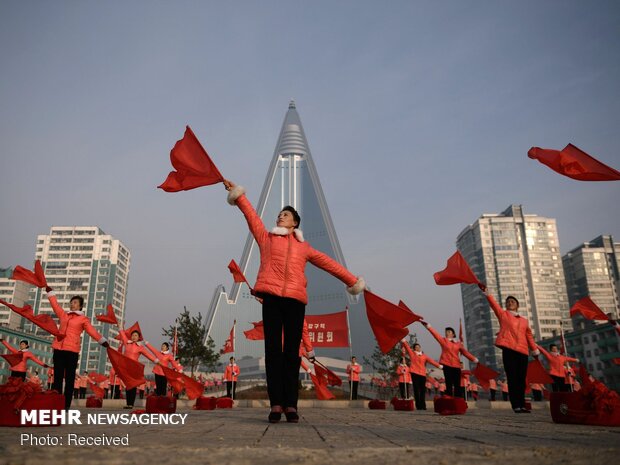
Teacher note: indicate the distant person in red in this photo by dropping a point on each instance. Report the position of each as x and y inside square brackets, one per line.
[231, 376]
[492, 389]
[50, 378]
[166, 358]
[281, 283]
[83, 384]
[451, 347]
[514, 338]
[417, 369]
[67, 351]
[402, 371]
[19, 370]
[353, 370]
[133, 350]
[557, 367]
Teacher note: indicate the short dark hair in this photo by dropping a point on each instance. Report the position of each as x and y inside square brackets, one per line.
[513, 298]
[449, 328]
[296, 216]
[25, 342]
[552, 346]
[231, 358]
[137, 332]
[417, 344]
[79, 298]
[165, 344]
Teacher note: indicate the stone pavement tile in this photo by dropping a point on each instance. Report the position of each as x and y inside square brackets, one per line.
[329, 436]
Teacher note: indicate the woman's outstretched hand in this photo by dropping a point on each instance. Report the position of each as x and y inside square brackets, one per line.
[228, 184]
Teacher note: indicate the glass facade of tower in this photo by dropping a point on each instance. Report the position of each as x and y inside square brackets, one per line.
[292, 179]
[518, 255]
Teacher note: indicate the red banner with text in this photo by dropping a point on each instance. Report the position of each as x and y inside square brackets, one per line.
[328, 330]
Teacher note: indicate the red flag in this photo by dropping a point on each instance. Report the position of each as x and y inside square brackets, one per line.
[484, 374]
[388, 321]
[238, 276]
[128, 370]
[193, 388]
[174, 378]
[322, 393]
[402, 304]
[616, 360]
[328, 329]
[456, 271]
[109, 317]
[193, 166]
[322, 372]
[574, 163]
[98, 391]
[132, 328]
[97, 378]
[43, 321]
[588, 309]
[13, 359]
[36, 279]
[229, 345]
[257, 333]
[536, 373]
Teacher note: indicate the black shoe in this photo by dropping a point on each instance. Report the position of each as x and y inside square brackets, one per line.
[291, 416]
[274, 417]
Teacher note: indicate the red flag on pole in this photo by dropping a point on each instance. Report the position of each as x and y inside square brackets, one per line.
[328, 329]
[132, 328]
[43, 321]
[536, 373]
[128, 370]
[574, 163]
[98, 391]
[323, 372]
[456, 271]
[193, 388]
[257, 333]
[173, 378]
[238, 276]
[193, 166]
[36, 279]
[588, 309]
[322, 393]
[229, 345]
[97, 378]
[109, 317]
[388, 321]
[13, 359]
[484, 374]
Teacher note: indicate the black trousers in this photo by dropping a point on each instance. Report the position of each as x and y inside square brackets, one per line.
[117, 391]
[403, 390]
[161, 384]
[504, 396]
[537, 395]
[419, 388]
[492, 391]
[231, 388]
[130, 395]
[283, 318]
[82, 393]
[559, 384]
[18, 374]
[515, 366]
[353, 385]
[452, 376]
[65, 363]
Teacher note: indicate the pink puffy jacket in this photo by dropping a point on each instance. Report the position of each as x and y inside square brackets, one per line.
[418, 362]
[354, 372]
[514, 331]
[165, 359]
[72, 324]
[557, 363]
[283, 258]
[27, 355]
[450, 350]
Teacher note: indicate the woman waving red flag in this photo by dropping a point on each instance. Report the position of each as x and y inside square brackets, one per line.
[133, 350]
[417, 368]
[20, 369]
[281, 283]
[166, 358]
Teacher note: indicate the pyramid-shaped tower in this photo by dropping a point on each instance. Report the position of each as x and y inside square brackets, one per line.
[292, 179]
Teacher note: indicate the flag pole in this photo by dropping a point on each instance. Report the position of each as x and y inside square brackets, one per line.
[233, 383]
[566, 365]
[350, 352]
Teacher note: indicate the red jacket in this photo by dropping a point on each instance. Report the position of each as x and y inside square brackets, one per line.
[231, 373]
[403, 373]
[557, 363]
[514, 331]
[133, 350]
[114, 380]
[418, 361]
[492, 384]
[283, 259]
[26, 355]
[72, 324]
[450, 350]
[354, 372]
[166, 360]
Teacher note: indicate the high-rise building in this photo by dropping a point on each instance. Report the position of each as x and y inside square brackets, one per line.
[593, 269]
[13, 292]
[84, 261]
[292, 179]
[519, 255]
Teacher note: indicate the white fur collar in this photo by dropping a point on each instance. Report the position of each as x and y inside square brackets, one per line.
[514, 313]
[166, 352]
[24, 350]
[280, 231]
[76, 312]
[419, 354]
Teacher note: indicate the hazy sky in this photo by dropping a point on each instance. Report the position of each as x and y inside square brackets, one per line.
[419, 116]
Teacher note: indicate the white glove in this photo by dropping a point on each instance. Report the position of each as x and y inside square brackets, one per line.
[441, 367]
[476, 360]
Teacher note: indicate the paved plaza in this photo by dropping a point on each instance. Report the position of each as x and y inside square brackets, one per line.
[329, 436]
